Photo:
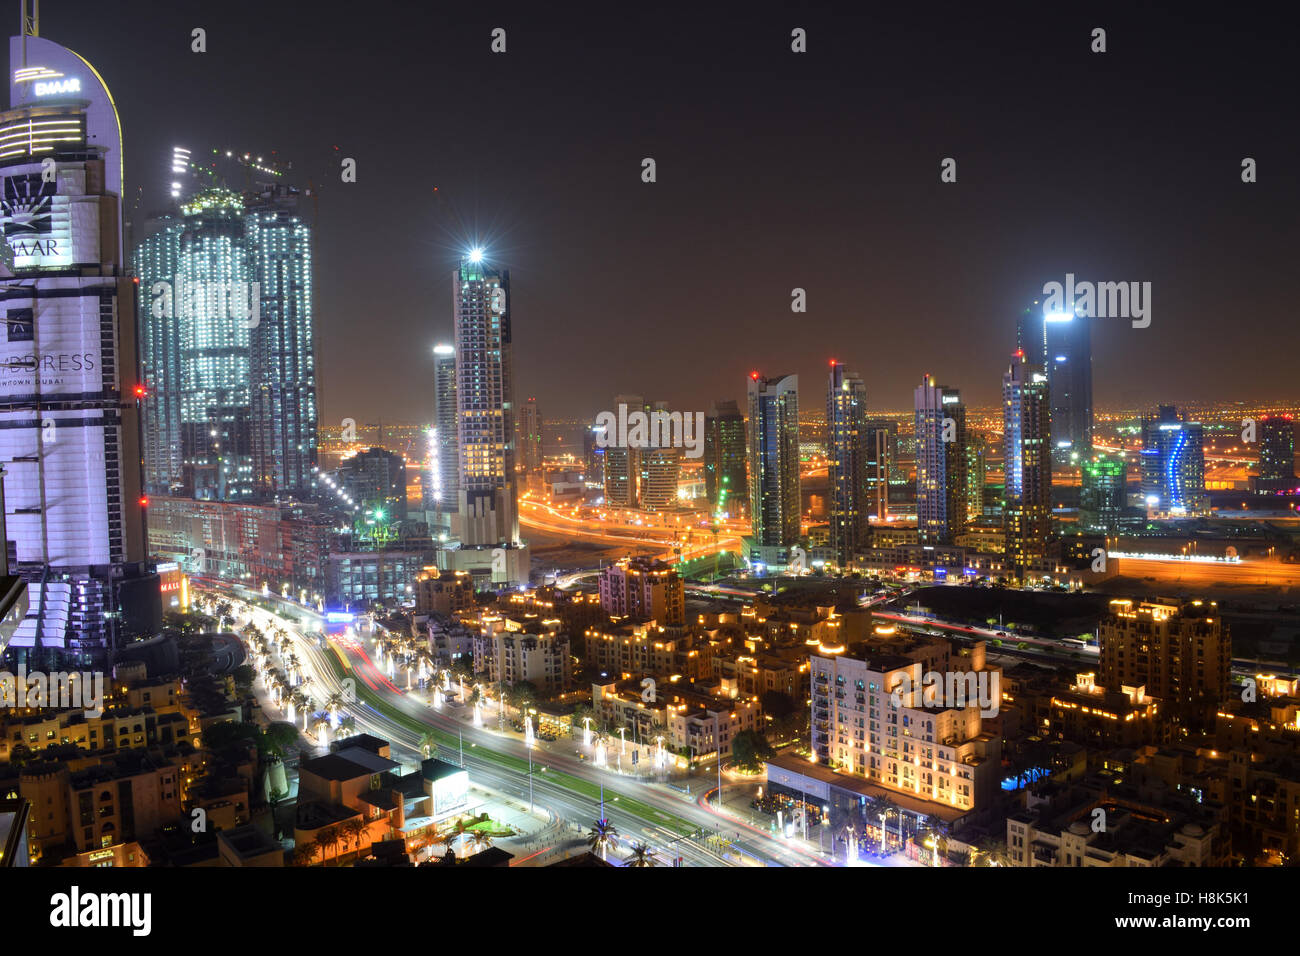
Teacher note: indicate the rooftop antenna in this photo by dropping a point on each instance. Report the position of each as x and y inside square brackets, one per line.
[31, 25]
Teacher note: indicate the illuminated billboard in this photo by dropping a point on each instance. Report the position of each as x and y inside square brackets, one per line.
[448, 785]
[47, 219]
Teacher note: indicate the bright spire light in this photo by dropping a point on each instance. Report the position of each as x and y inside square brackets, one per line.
[476, 254]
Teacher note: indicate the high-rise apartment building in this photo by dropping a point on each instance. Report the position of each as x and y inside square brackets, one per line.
[1027, 493]
[623, 464]
[593, 457]
[660, 471]
[882, 452]
[1061, 343]
[1277, 448]
[941, 489]
[773, 439]
[725, 482]
[976, 468]
[847, 454]
[1173, 464]
[445, 466]
[487, 513]
[69, 408]
[530, 439]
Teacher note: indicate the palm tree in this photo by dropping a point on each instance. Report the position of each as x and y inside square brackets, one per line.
[992, 852]
[350, 832]
[640, 856]
[304, 853]
[333, 704]
[347, 726]
[602, 837]
[428, 744]
[329, 838]
[879, 808]
[482, 839]
[359, 830]
[321, 722]
[938, 829]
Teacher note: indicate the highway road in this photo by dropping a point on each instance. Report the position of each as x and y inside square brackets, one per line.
[640, 810]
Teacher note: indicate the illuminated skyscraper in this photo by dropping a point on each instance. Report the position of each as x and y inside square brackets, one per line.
[882, 452]
[1027, 508]
[623, 464]
[530, 437]
[1062, 344]
[975, 475]
[229, 364]
[660, 469]
[941, 491]
[1103, 496]
[725, 482]
[69, 416]
[484, 400]
[773, 434]
[1173, 464]
[593, 457]
[847, 453]
[281, 345]
[445, 471]
[1277, 448]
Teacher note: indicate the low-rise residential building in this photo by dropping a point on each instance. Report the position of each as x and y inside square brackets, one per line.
[626, 647]
[694, 719]
[643, 589]
[1090, 715]
[443, 592]
[1102, 823]
[513, 650]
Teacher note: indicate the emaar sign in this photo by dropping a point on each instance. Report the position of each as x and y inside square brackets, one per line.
[55, 87]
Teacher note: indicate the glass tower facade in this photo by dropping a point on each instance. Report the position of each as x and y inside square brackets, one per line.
[847, 454]
[941, 488]
[725, 480]
[445, 470]
[1027, 504]
[1173, 464]
[485, 404]
[228, 349]
[1102, 497]
[774, 460]
[1061, 343]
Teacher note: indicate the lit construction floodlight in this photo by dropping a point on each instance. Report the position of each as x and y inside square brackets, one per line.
[476, 254]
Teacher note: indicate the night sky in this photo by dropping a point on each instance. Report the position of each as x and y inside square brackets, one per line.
[775, 171]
